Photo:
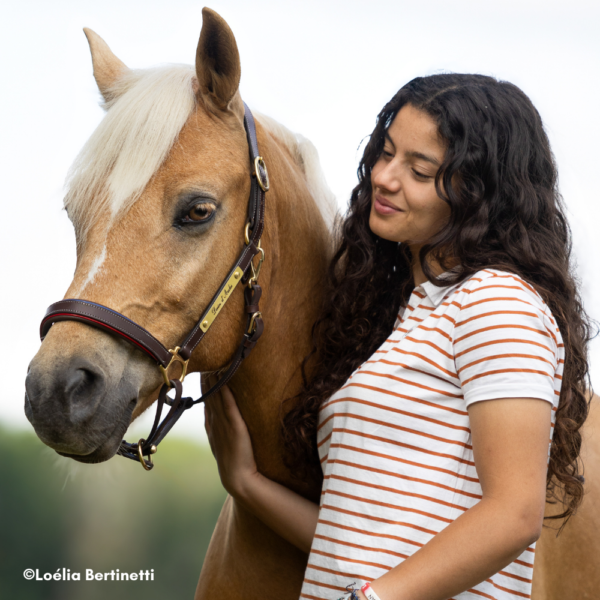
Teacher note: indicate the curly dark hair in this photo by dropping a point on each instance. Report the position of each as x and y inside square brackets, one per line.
[500, 180]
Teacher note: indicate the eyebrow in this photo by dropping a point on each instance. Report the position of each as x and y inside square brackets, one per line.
[424, 157]
[413, 154]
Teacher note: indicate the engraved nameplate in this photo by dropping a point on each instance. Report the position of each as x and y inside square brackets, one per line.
[218, 304]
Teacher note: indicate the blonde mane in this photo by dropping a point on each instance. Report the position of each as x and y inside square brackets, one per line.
[147, 110]
[305, 154]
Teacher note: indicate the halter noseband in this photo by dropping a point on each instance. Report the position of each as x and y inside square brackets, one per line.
[115, 323]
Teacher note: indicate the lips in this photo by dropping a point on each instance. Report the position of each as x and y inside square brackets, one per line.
[384, 206]
[109, 447]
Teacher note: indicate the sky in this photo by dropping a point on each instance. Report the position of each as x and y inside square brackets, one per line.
[322, 68]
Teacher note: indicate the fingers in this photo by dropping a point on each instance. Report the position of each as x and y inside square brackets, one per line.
[229, 441]
[222, 413]
[216, 405]
[226, 395]
[233, 412]
[207, 419]
[229, 404]
[224, 407]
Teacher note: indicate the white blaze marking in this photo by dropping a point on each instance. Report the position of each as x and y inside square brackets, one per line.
[95, 268]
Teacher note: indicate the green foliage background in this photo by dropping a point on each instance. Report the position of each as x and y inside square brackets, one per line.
[55, 513]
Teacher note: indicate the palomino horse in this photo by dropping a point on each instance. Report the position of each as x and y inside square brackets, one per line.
[158, 199]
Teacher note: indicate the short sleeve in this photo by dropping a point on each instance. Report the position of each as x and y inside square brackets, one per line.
[506, 343]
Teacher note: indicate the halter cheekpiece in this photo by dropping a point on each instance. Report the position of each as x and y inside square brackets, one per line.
[244, 271]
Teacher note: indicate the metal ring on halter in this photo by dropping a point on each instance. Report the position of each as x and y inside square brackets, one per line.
[176, 358]
[148, 466]
[247, 236]
[259, 163]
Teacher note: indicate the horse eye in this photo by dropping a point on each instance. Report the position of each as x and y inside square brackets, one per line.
[201, 212]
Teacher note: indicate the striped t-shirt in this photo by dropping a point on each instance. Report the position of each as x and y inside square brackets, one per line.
[395, 442]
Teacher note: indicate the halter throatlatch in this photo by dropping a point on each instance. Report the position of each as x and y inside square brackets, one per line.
[244, 271]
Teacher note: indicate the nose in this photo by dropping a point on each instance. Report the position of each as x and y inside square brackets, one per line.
[59, 401]
[386, 176]
[84, 385]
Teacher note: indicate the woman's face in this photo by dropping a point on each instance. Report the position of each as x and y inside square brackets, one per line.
[405, 206]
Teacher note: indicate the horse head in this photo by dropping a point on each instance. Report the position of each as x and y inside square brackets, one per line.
[158, 198]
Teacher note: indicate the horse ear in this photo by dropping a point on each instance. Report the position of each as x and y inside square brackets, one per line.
[108, 69]
[217, 61]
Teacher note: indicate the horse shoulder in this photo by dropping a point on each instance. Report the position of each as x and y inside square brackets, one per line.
[566, 566]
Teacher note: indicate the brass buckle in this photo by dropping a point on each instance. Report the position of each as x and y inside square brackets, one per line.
[256, 270]
[176, 358]
[140, 456]
[259, 161]
[252, 327]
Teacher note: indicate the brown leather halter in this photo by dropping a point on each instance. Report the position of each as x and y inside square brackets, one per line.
[243, 271]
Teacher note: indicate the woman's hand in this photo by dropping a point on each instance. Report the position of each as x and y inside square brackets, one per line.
[290, 515]
[230, 442]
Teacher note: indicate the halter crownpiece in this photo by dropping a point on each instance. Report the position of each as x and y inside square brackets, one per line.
[243, 271]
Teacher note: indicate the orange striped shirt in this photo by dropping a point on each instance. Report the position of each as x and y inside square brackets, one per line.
[395, 442]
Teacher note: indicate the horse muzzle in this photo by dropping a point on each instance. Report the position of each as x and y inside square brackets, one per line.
[79, 406]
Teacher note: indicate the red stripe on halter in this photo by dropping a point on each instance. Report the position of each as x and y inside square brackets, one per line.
[104, 326]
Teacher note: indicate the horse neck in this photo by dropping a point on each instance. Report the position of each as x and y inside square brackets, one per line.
[297, 243]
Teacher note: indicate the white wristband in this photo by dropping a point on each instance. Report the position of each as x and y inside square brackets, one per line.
[369, 592]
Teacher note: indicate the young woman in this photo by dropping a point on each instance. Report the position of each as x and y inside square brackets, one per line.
[450, 353]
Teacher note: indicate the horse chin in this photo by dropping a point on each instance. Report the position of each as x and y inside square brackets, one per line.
[110, 446]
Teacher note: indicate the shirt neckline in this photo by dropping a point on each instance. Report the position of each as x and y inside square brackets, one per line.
[437, 294]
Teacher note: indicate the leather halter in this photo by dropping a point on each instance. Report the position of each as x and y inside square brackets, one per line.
[115, 323]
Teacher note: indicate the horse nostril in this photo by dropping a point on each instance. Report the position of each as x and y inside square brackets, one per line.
[77, 403]
[84, 386]
[80, 382]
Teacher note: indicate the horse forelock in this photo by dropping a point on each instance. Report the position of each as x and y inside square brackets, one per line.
[146, 112]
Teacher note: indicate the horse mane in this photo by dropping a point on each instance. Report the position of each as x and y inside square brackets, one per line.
[306, 156]
[145, 112]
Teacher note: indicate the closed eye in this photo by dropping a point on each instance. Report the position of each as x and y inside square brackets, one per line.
[420, 175]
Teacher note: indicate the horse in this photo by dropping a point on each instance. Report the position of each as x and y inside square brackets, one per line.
[158, 199]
